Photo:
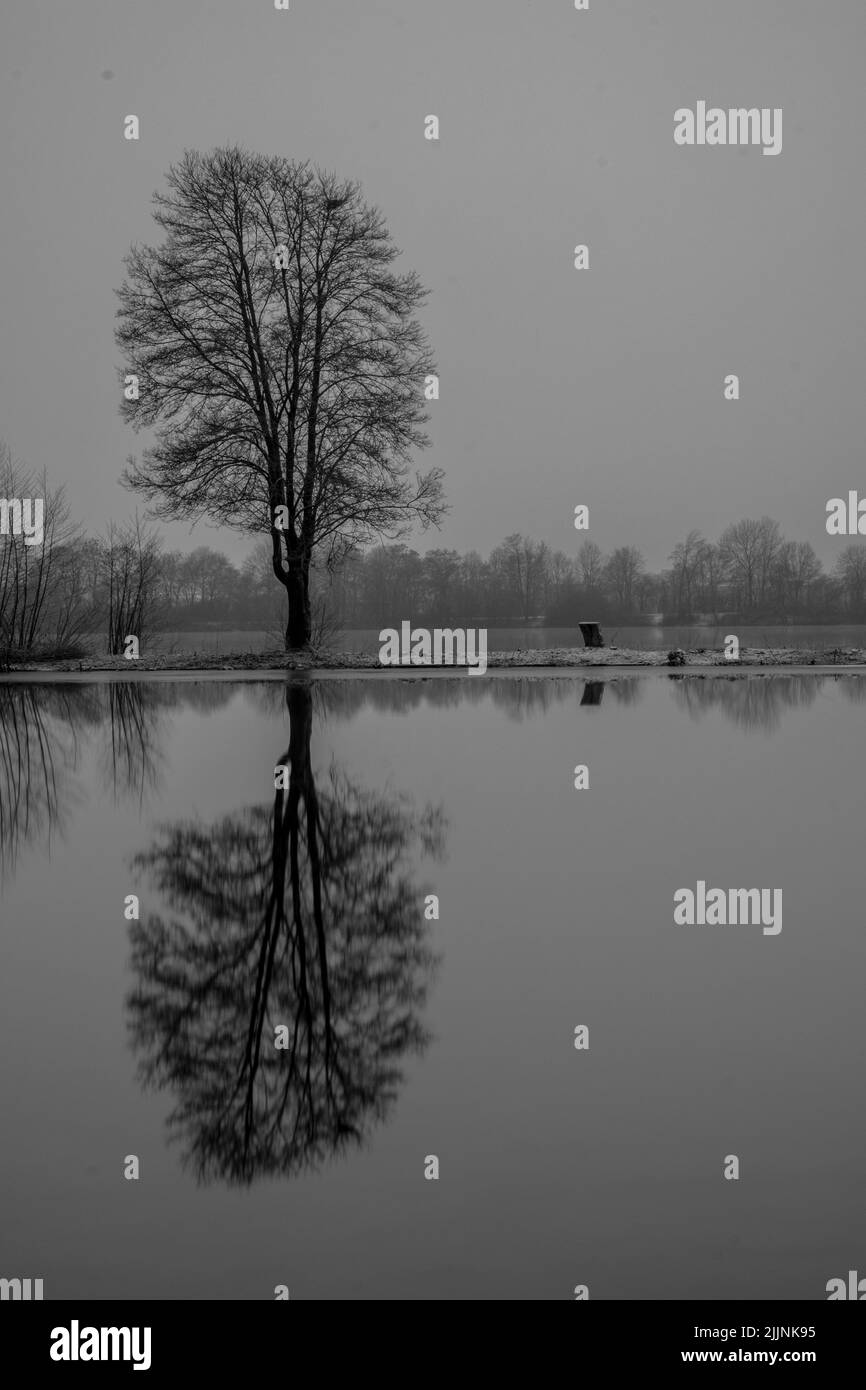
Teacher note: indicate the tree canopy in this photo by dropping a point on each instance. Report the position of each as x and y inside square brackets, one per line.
[280, 359]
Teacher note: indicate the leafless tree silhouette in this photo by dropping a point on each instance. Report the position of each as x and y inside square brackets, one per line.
[280, 356]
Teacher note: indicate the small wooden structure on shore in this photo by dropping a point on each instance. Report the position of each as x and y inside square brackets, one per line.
[591, 633]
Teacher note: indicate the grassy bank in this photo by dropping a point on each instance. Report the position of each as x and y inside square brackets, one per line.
[573, 657]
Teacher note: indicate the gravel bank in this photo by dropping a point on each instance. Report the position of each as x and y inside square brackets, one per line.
[573, 657]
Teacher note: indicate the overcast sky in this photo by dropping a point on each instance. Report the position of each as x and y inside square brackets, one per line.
[558, 386]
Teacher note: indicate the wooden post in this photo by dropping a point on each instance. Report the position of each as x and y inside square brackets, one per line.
[591, 634]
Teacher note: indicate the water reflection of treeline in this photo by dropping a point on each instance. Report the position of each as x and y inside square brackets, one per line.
[748, 701]
[759, 702]
[517, 696]
[44, 728]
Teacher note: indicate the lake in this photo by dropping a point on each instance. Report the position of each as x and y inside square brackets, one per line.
[303, 915]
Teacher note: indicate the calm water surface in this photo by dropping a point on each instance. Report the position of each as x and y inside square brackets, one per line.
[303, 909]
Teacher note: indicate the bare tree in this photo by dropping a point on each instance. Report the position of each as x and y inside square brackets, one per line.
[42, 583]
[851, 572]
[590, 565]
[795, 569]
[130, 559]
[280, 356]
[686, 564]
[712, 577]
[441, 574]
[622, 572]
[524, 563]
[748, 549]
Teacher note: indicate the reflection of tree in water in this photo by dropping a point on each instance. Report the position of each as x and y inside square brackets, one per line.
[132, 753]
[532, 695]
[38, 752]
[44, 730]
[519, 696]
[305, 915]
[135, 718]
[627, 690]
[750, 702]
[853, 688]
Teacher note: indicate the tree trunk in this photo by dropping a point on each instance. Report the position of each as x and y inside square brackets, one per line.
[300, 625]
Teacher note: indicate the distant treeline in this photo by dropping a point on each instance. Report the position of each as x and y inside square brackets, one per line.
[751, 572]
[70, 587]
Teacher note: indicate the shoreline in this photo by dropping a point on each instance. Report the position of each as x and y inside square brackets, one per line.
[557, 660]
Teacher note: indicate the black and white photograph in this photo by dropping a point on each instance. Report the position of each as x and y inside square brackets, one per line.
[432, 667]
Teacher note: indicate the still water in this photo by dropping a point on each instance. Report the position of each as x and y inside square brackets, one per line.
[303, 909]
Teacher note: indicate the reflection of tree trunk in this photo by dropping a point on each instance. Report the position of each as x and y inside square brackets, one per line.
[302, 792]
[592, 693]
[313, 830]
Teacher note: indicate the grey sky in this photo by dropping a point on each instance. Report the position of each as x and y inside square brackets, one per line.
[558, 386]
